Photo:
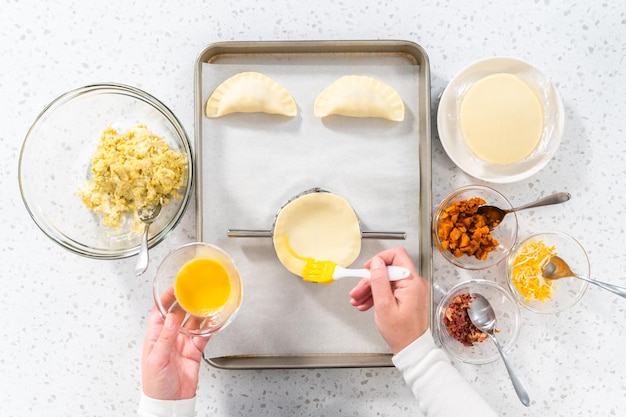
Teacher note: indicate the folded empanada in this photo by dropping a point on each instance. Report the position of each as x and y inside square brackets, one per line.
[360, 96]
[250, 92]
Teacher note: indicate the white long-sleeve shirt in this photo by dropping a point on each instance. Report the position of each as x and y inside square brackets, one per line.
[440, 389]
[425, 368]
[151, 407]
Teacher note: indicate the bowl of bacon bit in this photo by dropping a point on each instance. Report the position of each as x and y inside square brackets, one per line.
[464, 235]
[458, 335]
[525, 272]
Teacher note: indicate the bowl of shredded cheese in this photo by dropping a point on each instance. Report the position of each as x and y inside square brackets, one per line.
[524, 270]
[93, 157]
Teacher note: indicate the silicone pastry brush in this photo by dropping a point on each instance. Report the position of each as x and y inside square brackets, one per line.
[325, 272]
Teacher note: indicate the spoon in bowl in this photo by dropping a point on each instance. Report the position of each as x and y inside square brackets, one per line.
[147, 215]
[557, 268]
[494, 215]
[483, 317]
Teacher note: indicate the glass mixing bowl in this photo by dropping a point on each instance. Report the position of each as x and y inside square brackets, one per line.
[55, 161]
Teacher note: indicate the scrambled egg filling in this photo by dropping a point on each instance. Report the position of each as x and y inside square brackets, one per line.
[131, 171]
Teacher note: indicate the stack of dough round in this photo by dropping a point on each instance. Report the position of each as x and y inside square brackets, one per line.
[501, 119]
[318, 225]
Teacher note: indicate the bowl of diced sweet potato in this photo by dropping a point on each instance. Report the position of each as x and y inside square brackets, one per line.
[463, 235]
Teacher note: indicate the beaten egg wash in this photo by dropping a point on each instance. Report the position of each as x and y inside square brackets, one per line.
[501, 119]
[202, 287]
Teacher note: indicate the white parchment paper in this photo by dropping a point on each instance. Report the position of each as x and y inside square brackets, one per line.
[254, 163]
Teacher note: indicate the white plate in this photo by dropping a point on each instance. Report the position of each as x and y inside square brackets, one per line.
[450, 134]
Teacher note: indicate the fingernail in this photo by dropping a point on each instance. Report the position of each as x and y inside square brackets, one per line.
[377, 263]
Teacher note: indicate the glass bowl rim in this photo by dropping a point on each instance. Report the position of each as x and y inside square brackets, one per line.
[57, 235]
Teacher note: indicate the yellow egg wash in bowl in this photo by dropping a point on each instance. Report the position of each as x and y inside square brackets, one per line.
[200, 284]
[202, 287]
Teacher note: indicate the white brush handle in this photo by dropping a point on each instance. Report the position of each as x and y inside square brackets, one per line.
[395, 273]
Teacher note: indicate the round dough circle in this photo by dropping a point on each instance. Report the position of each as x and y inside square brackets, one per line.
[501, 119]
[318, 225]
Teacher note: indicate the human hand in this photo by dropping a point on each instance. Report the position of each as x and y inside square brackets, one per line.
[400, 307]
[170, 361]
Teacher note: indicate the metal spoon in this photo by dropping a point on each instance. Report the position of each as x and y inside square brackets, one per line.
[484, 318]
[495, 214]
[557, 268]
[147, 215]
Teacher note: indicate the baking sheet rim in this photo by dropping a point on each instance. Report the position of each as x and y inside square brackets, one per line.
[214, 50]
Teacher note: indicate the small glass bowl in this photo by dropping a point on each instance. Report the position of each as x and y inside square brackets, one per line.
[55, 161]
[505, 233]
[566, 291]
[164, 295]
[508, 322]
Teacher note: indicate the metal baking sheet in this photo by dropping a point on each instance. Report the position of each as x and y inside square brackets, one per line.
[248, 165]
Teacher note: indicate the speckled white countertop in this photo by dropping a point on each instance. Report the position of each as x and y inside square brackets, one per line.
[72, 327]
